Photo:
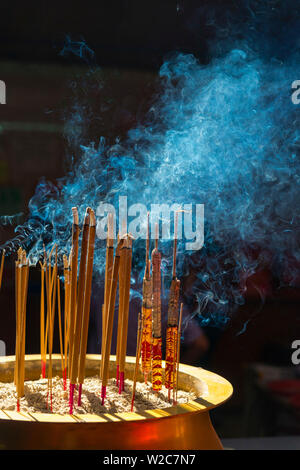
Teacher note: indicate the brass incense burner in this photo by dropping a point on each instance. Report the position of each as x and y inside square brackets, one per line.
[184, 426]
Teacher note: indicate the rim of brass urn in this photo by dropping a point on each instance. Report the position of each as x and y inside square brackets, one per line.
[211, 390]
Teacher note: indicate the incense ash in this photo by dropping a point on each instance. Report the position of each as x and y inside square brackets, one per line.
[35, 397]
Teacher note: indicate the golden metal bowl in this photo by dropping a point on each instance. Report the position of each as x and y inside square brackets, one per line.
[184, 426]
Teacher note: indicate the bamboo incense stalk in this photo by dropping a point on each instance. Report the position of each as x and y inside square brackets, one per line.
[110, 320]
[147, 313]
[175, 389]
[80, 304]
[108, 278]
[2, 266]
[87, 302]
[156, 318]
[73, 286]
[137, 358]
[126, 300]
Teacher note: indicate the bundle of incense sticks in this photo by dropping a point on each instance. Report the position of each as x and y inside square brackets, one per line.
[147, 313]
[79, 333]
[21, 289]
[156, 318]
[172, 326]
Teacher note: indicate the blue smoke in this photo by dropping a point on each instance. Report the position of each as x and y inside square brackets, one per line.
[224, 134]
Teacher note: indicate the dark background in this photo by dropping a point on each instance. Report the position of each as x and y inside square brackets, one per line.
[130, 40]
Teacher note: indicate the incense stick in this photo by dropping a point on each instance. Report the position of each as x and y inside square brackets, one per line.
[42, 322]
[108, 278]
[175, 390]
[126, 299]
[120, 310]
[172, 325]
[110, 319]
[156, 318]
[87, 301]
[147, 313]
[52, 303]
[66, 317]
[137, 358]
[60, 327]
[79, 309]
[73, 286]
[22, 273]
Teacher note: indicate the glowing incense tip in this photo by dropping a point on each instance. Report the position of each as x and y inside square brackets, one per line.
[18, 405]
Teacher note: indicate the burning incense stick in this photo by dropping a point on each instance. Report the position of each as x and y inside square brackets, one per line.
[80, 305]
[52, 273]
[172, 326]
[137, 358]
[67, 317]
[42, 321]
[87, 301]
[22, 273]
[60, 327]
[121, 308]
[156, 318]
[126, 299]
[2, 266]
[110, 319]
[175, 389]
[108, 278]
[147, 313]
[73, 286]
